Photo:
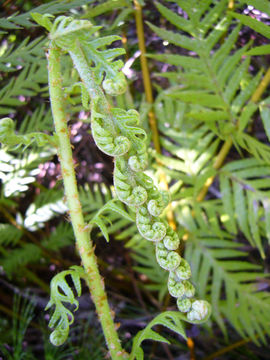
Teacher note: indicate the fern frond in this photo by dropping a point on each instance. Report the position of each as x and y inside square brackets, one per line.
[62, 236]
[245, 307]
[20, 257]
[169, 319]
[28, 83]
[28, 52]
[9, 235]
[61, 292]
[54, 7]
[244, 188]
[68, 34]
[256, 148]
[215, 82]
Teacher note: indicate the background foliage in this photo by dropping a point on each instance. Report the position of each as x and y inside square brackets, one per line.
[207, 62]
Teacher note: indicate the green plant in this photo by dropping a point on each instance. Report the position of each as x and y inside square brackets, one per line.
[116, 132]
[204, 117]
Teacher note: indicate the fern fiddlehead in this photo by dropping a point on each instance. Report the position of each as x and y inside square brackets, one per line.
[62, 317]
[117, 132]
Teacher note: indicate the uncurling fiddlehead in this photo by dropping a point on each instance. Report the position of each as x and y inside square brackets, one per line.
[61, 293]
[117, 132]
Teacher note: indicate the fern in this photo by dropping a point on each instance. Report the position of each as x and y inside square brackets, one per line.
[28, 83]
[54, 7]
[214, 103]
[168, 319]
[63, 317]
[26, 53]
[245, 307]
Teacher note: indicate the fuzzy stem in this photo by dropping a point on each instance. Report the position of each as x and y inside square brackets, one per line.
[83, 241]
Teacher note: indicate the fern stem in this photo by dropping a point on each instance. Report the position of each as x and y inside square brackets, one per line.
[217, 164]
[83, 241]
[231, 4]
[145, 74]
[229, 348]
[262, 86]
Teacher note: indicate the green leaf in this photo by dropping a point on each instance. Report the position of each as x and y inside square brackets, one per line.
[176, 39]
[262, 5]
[254, 24]
[259, 50]
[178, 21]
[108, 207]
[43, 20]
[169, 319]
[265, 114]
[199, 97]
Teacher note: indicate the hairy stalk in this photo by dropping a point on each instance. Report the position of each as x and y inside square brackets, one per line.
[83, 241]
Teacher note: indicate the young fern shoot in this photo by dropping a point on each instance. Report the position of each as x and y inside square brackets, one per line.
[118, 134]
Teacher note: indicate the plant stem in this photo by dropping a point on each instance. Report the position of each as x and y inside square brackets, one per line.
[82, 234]
[145, 73]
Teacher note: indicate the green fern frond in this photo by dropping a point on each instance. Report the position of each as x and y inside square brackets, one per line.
[93, 198]
[169, 319]
[256, 148]
[215, 82]
[12, 260]
[61, 236]
[54, 7]
[28, 52]
[216, 266]
[61, 292]
[9, 235]
[39, 120]
[106, 6]
[69, 34]
[244, 188]
[28, 83]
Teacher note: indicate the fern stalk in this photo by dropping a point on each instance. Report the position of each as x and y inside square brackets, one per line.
[83, 241]
[145, 74]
